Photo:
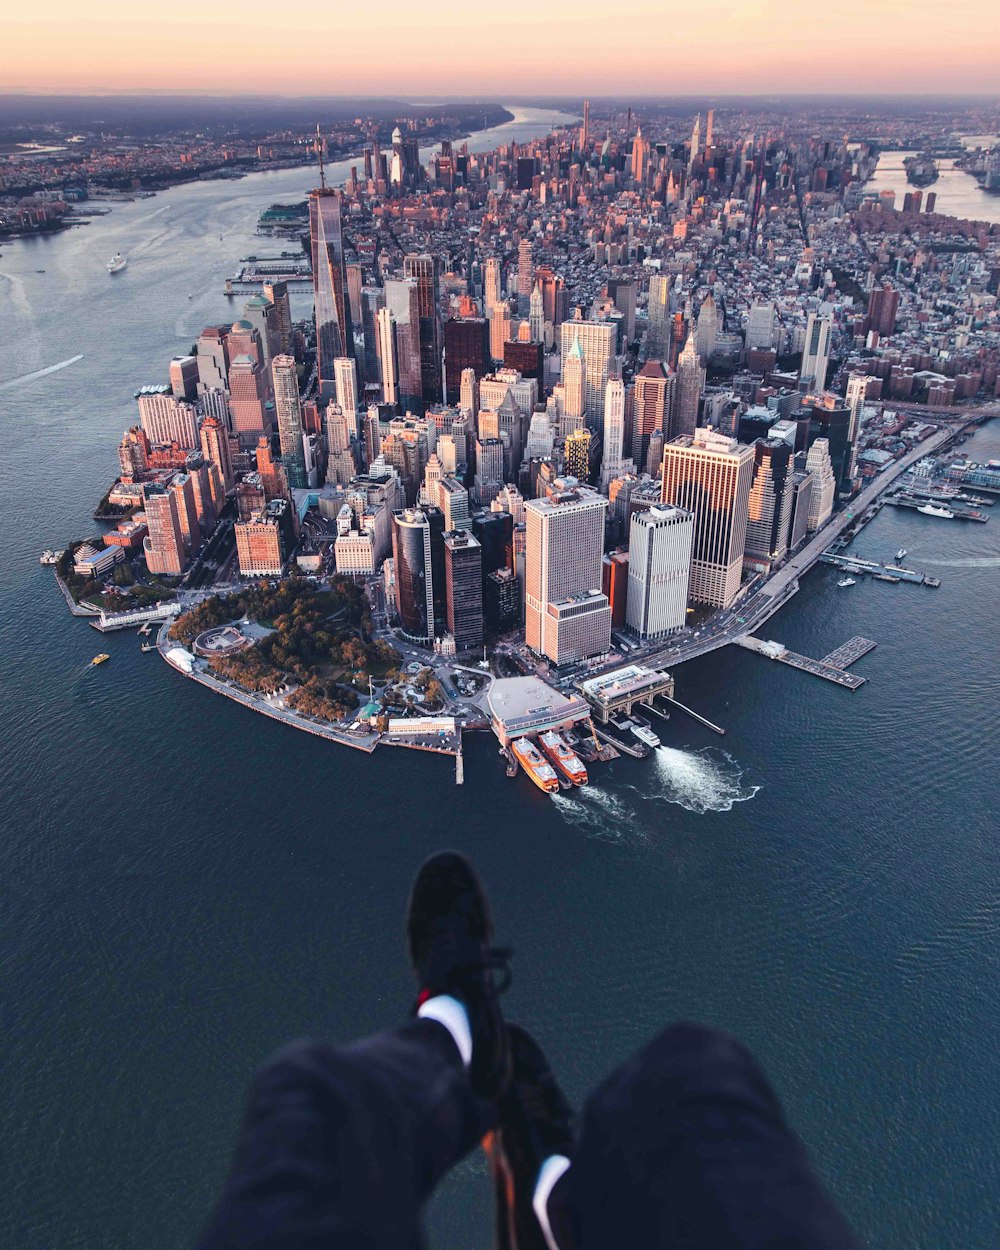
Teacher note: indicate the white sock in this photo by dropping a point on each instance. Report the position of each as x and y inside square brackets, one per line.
[450, 1012]
[548, 1174]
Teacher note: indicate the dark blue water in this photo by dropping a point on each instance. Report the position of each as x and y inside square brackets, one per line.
[186, 885]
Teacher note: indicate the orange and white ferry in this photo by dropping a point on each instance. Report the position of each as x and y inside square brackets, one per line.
[564, 757]
[534, 764]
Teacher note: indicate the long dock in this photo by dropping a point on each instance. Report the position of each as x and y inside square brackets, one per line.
[851, 564]
[689, 712]
[846, 654]
[818, 668]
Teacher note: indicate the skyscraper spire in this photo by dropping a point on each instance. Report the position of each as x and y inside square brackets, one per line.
[319, 153]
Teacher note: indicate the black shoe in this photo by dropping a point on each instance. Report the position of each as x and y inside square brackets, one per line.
[536, 1121]
[450, 931]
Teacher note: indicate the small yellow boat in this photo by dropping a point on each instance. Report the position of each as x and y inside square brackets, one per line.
[99, 659]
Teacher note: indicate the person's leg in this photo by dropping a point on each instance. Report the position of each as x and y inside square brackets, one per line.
[686, 1147]
[342, 1146]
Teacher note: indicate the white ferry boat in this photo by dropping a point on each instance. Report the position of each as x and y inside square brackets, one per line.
[645, 734]
[930, 509]
[117, 263]
[847, 581]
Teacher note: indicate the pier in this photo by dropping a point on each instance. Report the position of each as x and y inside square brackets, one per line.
[108, 622]
[690, 712]
[895, 572]
[818, 668]
[844, 656]
[900, 501]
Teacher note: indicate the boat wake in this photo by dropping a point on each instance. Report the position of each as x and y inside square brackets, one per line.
[39, 373]
[699, 781]
[598, 814]
[974, 562]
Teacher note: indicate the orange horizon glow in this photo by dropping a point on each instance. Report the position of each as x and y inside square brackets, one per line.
[566, 48]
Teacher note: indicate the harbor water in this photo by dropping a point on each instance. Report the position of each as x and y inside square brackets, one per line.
[185, 885]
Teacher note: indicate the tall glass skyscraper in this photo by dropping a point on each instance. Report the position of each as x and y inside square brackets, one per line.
[334, 335]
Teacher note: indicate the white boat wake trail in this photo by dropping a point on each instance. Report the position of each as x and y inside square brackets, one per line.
[699, 781]
[39, 373]
[598, 814]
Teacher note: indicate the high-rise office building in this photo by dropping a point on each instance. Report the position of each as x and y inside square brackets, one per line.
[424, 270]
[163, 546]
[760, 326]
[536, 315]
[263, 316]
[215, 449]
[466, 346]
[334, 336]
[597, 343]
[402, 299]
[418, 560]
[654, 400]
[622, 292]
[345, 377]
[524, 273]
[213, 359]
[388, 355]
[463, 575]
[708, 328]
[166, 419]
[372, 299]
[824, 486]
[491, 283]
[659, 566]
[288, 412]
[857, 389]
[184, 377]
[340, 463]
[690, 384]
[883, 307]
[277, 293]
[709, 475]
[567, 615]
[769, 507]
[816, 352]
[249, 400]
[658, 318]
[614, 431]
[573, 382]
[576, 455]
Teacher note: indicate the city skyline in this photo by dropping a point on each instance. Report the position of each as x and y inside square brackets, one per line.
[67, 50]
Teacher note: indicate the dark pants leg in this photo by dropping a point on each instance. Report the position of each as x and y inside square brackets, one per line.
[341, 1147]
[685, 1147]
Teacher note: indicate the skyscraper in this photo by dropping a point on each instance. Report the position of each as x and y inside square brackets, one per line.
[466, 346]
[418, 559]
[710, 475]
[288, 411]
[690, 384]
[524, 282]
[402, 298]
[334, 336]
[760, 326]
[824, 486]
[388, 355]
[708, 328]
[614, 430]
[576, 455]
[345, 376]
[249, 400]
[491, 283]
[769, 507]
[166, 419]
[215, 448]
[816, 352]
[658, 318]
[277, 293]
[463, 574]
[883, 305]
[659, 566]
[567, 615]
[596, 341]
[163, 546]
[423, 269]
[654, 400]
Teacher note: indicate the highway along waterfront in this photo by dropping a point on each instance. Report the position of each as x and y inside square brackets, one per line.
[187, 885]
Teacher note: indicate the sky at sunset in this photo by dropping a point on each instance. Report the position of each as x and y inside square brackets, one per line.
[326, 47]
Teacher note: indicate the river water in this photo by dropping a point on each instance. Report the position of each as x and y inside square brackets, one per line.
[958, 193]
[186, 885]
